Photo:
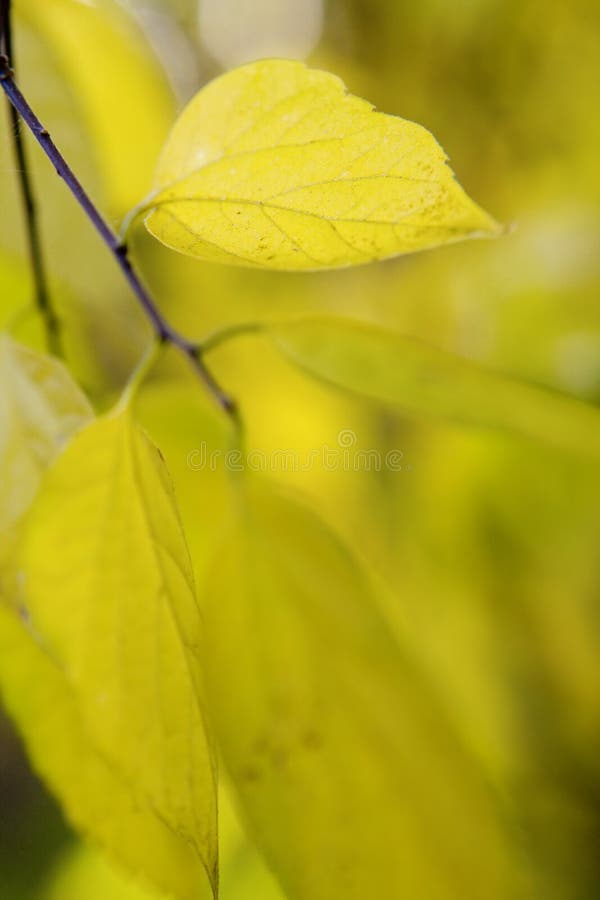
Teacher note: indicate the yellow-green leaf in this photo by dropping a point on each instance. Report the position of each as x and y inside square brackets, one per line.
[122, 92]
[424, 380]
[275, 165]
[109, 591]
[95, 797]
[41, 408]
[244, 874]
[83, 873]
[349, 775]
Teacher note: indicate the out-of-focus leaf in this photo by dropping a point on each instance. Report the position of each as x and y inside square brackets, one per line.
[325, 727]
[125, 102]
[276, 165]
[16, 297]
[424, 380]
[243, 872]
[109, 590]
[191, 433]
[96, 798]
[83, 873]
[41, 408]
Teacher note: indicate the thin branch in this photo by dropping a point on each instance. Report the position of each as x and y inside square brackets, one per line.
[5, 29]
[163, 329]
[34, 244]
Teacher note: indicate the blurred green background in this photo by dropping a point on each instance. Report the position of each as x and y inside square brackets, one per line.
[490, 544]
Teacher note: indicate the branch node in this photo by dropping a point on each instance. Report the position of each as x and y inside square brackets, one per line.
[163, 330]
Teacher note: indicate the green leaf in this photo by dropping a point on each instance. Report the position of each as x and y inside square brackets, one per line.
[418, 378]
[349, 775]
[275, 165]
[110, 595]
[41, 408]
[123, 95]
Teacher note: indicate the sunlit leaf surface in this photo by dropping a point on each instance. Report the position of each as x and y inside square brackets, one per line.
[85, 873]
[109, 591]
[97, 799]
[349, 775]
[275, 165]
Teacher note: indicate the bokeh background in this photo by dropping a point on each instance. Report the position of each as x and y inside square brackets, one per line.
[490, 544]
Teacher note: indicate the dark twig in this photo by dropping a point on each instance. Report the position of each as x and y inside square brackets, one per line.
[38, 269]
[163, 329]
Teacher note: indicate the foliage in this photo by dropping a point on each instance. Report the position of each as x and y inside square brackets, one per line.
[276, 165]
[392, 669]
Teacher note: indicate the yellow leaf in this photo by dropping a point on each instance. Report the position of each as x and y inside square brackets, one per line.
[411, 375]
[15, 296]
[41, 408]
[125, 102]
[109, 591]
[349, 775]
[243, 872]
[95, 797]
[275, 165]
[83, 873]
